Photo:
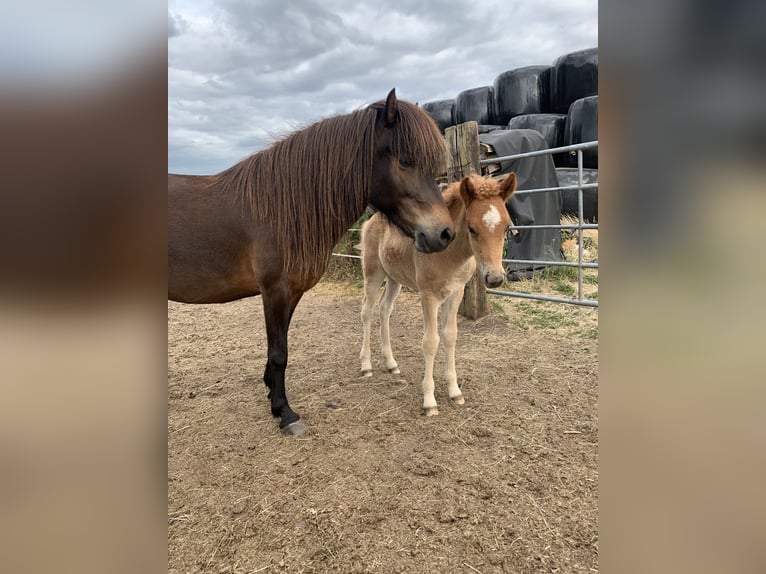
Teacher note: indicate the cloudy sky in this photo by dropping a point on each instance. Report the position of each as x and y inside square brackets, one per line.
[244, 72]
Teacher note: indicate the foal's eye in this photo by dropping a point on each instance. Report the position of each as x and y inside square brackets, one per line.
[406, 163]
[471, 230]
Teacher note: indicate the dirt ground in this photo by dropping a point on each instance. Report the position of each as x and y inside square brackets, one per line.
[506, 483]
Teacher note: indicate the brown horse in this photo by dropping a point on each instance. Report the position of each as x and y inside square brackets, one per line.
[267, 225]
[477, 207]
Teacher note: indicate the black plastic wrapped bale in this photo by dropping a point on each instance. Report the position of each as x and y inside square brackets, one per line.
[476, 104]
[582, 126]
[573, 76]
[568, 176]
[528, 209]
[522, 91]
[486, 129]
[551, 126]
[442, 111]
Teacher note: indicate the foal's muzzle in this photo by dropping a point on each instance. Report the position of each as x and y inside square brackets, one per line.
[493, 279]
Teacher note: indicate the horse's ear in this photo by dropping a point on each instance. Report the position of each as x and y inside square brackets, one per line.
[392, 108]
[508, 186]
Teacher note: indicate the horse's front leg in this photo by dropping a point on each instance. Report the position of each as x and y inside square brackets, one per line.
[449, 336]
[430, 306]
[278, 306]
[267, 379]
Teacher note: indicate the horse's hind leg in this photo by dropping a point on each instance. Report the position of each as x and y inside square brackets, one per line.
[449, 336]
[278, 306]
[373, 278]
[386, 307]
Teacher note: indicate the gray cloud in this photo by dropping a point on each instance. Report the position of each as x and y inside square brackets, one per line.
[176, 25]
[242, 73]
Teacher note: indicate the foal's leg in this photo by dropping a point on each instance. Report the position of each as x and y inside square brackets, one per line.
[430, 306]
[449, 336]
[386, 307]
[373, 278]
[278, 306]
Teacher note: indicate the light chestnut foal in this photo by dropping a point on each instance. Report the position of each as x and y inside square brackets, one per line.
[480, 218]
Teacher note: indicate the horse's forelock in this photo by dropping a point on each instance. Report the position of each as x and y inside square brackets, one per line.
[416, 137]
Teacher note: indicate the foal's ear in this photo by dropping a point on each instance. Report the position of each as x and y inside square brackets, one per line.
[455, 204]
[508, 186]
[392, 108]
[467, 190]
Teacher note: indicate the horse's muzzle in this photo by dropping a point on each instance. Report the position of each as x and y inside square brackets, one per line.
[435, 242]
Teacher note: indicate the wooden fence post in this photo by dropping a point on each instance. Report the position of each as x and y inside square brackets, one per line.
[463, 147]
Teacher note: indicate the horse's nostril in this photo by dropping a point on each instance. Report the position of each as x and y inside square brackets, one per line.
[447, 235]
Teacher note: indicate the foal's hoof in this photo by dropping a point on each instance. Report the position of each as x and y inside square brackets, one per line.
[394, 371]
[431, 412]
[296, 429]
[366, 372]
[458, 400]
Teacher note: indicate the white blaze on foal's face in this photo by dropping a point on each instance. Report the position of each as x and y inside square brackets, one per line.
[491, 218]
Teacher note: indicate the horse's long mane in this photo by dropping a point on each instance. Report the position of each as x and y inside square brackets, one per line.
[312, 185]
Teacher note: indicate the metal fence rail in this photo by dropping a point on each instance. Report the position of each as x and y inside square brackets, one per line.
[579, 226]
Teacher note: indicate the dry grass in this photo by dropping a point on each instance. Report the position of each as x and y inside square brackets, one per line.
[569, 241]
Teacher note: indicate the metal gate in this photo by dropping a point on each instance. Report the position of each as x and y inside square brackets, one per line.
[579, 226]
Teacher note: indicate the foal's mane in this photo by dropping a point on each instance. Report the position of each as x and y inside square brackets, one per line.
[483, 187]
[312, 185]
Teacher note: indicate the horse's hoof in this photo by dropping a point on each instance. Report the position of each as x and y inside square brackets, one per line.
[366, 372]
[296, 429]
[458, 400]
[431, 412]
[394, 371]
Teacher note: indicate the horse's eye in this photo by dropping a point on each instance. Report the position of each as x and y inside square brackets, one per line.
[471, 230]
[406, 163]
